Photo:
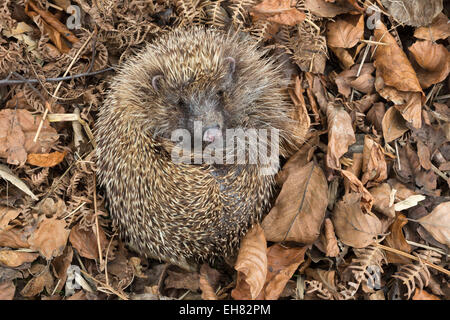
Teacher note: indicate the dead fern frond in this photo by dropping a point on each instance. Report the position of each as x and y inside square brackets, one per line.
[216, 15]
[239, 9]
[413, 275]
[316, 287]
[190, 12]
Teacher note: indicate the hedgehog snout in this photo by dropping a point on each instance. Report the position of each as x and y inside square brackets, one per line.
[211, 133]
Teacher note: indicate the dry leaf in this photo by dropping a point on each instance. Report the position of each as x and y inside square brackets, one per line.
[7, 290]
[281, 264]
[208, 292]
[14, 258]
[394, 125]
[396, 239]
[374, 165]
[414, 13]
[348, 79]
[432, 62]
[423, 295]
[396, 79]
[382, 199]
[300, 207]
[15, 238]
[355, 185]
[17, 131]
[409, 202]
[85, 242]
[439, 29]
[325, 9]
[278, 11]
[353, 227]
[6, 215]
[178, 279]
[340, 135]
[424, 155]
[8, 175]
[438, 223]
[42, 279]
[50, 237]
[46, 159]
[346, 31]
[251, 265]
[329, 239]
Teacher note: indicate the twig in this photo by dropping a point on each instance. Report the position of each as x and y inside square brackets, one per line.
[420, 245]
[59, 86]
[7, 81]
[111, 289]
[432, 265]
[96, 223]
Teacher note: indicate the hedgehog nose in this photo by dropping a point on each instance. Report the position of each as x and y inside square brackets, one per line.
[211, 133]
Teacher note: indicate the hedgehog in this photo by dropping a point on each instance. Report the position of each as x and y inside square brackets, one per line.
[189, 212]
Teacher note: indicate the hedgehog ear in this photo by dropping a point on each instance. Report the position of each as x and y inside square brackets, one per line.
[231, 63]
[156, 82]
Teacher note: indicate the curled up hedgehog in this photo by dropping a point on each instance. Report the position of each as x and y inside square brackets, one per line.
[200, 83]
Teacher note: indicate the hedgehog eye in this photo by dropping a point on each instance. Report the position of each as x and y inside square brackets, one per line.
[181, 104]
[220, 94]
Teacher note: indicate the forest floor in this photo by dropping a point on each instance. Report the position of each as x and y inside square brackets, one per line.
[370, 217]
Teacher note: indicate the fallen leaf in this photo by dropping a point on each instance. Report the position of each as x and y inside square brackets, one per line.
[409, 202]
[396, 79]
[431, 62]
[300, 207]
[17, 131]
[439, 29]
[356, 186]
[414, 13]
[423, 295]
[382, 199]
[182, 279]
[393, 124]
[353, 227]
[376, 115]
[42, 279]
[325, 9]
[7, 290]
[329, 239]
[281, 265]
[85, 242]
[278, 11]
[6, 215]
[396, 239]
[208, 292]
[251, 265]
[46, 159]
[438, 223]
[8, 175]
[348, 79]
[15, 238]
[424, 155]
[374, 165]
[340, 135]
[50, 237]
[14, 258]
[61, 265]
[345, 31]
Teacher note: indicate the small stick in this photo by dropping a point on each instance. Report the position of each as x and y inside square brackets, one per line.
[432, 265]
[59, 86]
[7, 81]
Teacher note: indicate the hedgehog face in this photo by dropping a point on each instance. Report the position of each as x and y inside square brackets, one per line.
[201, 102]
